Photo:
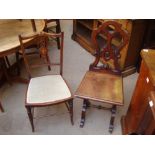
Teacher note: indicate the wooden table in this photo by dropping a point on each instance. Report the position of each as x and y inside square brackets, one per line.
[9, 42]
[9, 31]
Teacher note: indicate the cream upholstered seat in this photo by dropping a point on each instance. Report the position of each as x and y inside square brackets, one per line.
[45, 89]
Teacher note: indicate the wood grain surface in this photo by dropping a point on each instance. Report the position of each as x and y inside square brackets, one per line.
[10, 29]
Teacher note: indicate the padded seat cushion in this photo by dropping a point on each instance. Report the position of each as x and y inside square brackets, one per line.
[45, 89]
[102, 87]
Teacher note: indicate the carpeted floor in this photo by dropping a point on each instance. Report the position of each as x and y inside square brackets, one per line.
[55, 120]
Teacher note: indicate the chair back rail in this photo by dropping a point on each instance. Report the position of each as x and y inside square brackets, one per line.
[42, 42]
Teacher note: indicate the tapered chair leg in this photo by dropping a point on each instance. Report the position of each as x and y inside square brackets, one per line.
[48, 61]
[71, 111]
[1, 108]
[113, 114]
[29, 112]
[83, 114]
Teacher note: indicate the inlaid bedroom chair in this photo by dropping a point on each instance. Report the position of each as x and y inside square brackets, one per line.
[103, 82]
[53, 25]
[47, 90]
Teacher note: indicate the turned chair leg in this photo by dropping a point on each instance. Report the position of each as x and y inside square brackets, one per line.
[87, 104]
[71, 111]
[58, 30]
[113, 114]
[1, 108]
[29, 112]
[48, 61]
[83, 114]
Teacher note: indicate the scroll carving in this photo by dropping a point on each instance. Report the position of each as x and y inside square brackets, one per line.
[108, 40]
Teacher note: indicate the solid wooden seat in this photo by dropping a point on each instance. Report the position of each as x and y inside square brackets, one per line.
[96, 86]
[103, 82]
[45, 90]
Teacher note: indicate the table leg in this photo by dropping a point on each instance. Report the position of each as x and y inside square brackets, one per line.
[4, 68]
[1, 108]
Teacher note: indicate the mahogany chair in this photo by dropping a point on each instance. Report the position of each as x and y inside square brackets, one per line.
[47, 90]
[1, 107]
[53, 25]
[103, 82]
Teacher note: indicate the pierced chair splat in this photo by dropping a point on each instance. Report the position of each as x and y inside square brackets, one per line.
[103, 82]
[47, 90]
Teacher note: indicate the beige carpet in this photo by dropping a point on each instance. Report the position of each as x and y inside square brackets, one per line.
[76, 62]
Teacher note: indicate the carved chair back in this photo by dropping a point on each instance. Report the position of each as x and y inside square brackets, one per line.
[42, 42]
[108, 40]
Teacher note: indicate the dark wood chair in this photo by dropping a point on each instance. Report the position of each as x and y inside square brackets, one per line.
[45, 90]
[103, 82]
[53, 25]
[1, 107]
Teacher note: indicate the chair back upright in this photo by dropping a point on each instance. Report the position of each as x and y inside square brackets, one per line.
[54, 23]
[108, 40]
[42, 41]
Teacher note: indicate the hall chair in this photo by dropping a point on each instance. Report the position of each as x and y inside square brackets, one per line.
[53, 25]
[47, 90]
[103, 82]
